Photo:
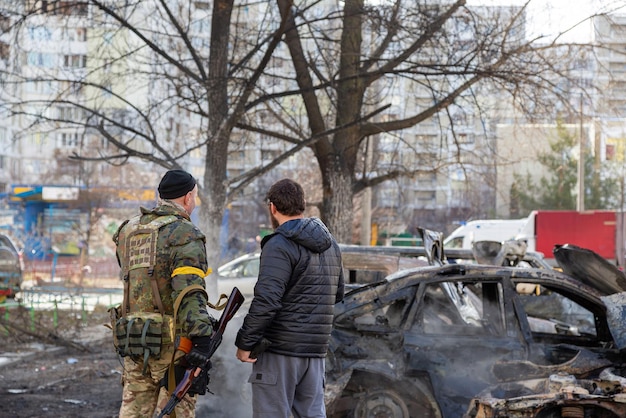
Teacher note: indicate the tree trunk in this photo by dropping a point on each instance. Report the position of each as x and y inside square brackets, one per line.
[337, 167]
[337, 206]
[214, 193]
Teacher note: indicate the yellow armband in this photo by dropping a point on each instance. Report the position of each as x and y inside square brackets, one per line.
[191, 270]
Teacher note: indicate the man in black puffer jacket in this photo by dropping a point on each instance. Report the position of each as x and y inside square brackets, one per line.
[291, 315]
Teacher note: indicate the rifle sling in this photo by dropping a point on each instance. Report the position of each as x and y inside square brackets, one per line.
[126, 302]
[171, 377]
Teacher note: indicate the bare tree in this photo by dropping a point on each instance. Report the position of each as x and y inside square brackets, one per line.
[168, 83]
[351, 58]
[168, 86]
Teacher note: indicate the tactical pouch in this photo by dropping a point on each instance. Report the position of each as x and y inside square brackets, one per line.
[139, 336]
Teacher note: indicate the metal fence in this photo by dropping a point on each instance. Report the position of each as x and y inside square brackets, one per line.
[69, 268]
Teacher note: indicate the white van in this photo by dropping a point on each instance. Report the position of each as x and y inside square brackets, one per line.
[484, 230]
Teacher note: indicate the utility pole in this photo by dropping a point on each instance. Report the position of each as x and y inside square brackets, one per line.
[580, 203]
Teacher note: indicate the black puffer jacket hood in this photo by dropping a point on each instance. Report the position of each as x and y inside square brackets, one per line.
[311, 233]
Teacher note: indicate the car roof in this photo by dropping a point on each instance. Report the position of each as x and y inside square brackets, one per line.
[239, 259]
[548, 277]
[536, 259]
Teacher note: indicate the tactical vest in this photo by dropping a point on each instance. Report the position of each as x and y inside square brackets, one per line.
[141, 325]
[138, 258]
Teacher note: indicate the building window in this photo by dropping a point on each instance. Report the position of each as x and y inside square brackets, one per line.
[75, 34]
[69, 8]
[40, 86]
[70, 87]
[68, 140]
[4, 50]
[75, 61]
[39, 33]
[70, 113]
[107, 37]
[465, 138]
[38, 139]
[39, 59]
[269, 154]
[425, 197]
[202, 5]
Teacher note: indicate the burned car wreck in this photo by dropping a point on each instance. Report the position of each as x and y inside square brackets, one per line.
[454, 340]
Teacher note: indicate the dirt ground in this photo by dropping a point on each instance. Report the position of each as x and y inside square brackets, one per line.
[54, 380]
[79, 374]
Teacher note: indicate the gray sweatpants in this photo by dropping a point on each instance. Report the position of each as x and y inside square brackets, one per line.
[284, 385]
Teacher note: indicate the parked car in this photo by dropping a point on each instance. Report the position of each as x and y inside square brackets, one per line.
[369, 264]
[359, 267]
[507, 253]
[424, 342]
[10, 268]
[242, 272]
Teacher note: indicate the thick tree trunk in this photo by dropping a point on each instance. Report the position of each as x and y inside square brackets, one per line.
[214, 191]
[338, 165]
[337, 206]
[210, 215]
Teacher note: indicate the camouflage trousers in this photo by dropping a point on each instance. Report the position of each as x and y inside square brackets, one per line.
[143, 396]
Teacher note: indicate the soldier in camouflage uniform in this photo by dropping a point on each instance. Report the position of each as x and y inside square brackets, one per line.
[180, 262]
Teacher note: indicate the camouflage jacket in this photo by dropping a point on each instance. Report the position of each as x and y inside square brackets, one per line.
[180, 262]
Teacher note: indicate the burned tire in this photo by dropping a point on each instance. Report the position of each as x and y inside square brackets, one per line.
[381, 404]
[373, 396]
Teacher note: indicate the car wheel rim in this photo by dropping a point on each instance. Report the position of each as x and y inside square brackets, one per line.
[381, 404]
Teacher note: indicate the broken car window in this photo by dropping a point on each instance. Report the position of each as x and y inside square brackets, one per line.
[465, 308]
[550, 312]
[377, 315]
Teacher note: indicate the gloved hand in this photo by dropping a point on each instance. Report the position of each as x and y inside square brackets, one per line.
[199, 385]
[200, 353]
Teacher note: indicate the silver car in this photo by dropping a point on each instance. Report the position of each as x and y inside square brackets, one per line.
[242, 272]
[11, 266]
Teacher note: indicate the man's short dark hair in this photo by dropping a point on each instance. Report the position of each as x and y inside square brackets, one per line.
[287, 196]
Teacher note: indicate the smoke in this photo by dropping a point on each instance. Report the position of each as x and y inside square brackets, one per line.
[232, 395]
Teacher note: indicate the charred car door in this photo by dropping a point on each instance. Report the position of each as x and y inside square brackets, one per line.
[463, 326]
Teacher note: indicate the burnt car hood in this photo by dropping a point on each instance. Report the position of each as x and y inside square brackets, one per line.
[591, 269]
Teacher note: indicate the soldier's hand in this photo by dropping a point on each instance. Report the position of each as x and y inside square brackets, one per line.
[199, 355]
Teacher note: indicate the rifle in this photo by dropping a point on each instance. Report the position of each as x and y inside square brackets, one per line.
[235, 300]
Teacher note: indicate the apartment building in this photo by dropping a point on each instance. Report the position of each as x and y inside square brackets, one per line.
[595, 114]
[609, 40]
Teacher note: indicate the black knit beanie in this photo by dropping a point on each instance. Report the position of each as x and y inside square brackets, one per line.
[176, 183]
